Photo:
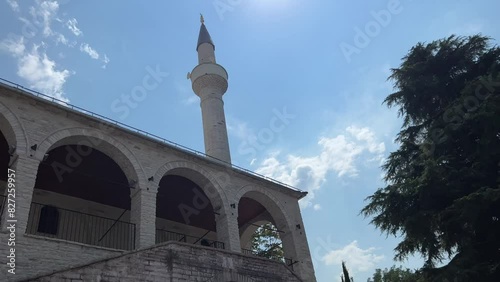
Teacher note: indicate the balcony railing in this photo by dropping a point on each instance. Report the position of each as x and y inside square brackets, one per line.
[287, 261]
[53, 222]
[165, 235]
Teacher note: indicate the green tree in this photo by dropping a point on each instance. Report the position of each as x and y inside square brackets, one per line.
[345, 277]
[442, 193]
[266, 242]
[395, 274]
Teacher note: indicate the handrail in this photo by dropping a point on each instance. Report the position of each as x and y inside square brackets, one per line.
[68, 210]
[139, 131]
[201, 238]
[70, 225]
[113, 225]
[184, 238]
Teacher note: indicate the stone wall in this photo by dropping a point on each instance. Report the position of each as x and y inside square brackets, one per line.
[38, 255]
[178, 262]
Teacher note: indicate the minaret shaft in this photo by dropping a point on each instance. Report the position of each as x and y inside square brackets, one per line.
[214, 124]
[206, 54]
[209, 81]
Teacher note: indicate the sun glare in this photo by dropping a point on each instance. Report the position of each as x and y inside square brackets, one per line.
[271, 5]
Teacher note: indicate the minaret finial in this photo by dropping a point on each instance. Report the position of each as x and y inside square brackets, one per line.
[202, 20]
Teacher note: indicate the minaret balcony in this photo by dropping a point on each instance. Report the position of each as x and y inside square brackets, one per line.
[207, 69]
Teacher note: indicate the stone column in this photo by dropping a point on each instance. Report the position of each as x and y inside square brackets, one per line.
[143, 215]
[297, 236]
[227, 230]
[26, 169]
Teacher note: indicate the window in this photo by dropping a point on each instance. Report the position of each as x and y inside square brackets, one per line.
[49, 220]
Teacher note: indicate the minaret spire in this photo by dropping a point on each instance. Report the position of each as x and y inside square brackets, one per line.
[204, 36]
[209, 82]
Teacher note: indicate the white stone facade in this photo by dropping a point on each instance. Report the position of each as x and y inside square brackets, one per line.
[26, 120]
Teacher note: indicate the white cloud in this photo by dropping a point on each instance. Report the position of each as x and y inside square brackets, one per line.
[33, 64]
[13, 4]
[60, 38]
[338, 155]
[192, 99]
[240, 129]
[356, 258]
[12, 46]
[85, 47]
[37, 68]
[71, 24]
[317, 207]
[41, 73]
[105, 61]
[366, 135]
[187, 97]
[43, 14]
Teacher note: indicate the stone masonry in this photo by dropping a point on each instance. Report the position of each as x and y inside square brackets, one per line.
[178, 262]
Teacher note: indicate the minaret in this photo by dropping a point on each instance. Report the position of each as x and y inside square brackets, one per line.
[209, 81]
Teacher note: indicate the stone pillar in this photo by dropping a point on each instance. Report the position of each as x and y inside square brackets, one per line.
[26, 169]
[227, 231]
[143, 215]
[297, 236]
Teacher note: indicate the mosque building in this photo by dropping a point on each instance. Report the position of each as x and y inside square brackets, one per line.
[86, 198]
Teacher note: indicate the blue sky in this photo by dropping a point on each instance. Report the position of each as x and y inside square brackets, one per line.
[322, 63]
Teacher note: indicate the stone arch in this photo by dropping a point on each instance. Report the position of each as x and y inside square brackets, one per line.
[205, 180]
[13, 130]
[246, 233]
[277, 212]
[101, 141]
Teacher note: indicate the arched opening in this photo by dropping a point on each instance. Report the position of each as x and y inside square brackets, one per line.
[265, 241]
[184, 212]
[262, 227]
[82, 195]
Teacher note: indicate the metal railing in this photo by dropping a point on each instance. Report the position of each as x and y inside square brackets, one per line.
[165, 235]
[140, 132]
[289, 262]
[248, 252]
[59, 223]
